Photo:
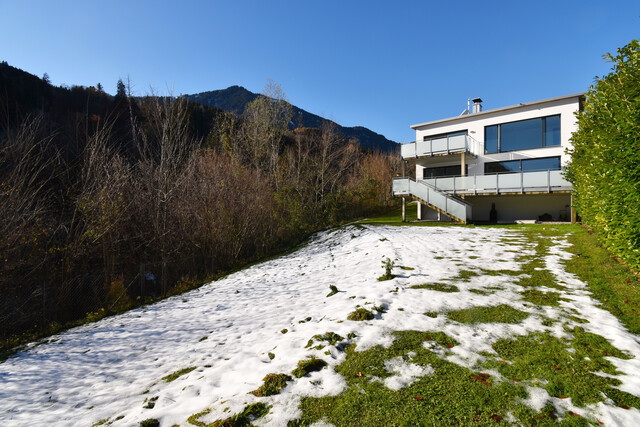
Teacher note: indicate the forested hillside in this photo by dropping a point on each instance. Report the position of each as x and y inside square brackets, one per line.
[110, 200]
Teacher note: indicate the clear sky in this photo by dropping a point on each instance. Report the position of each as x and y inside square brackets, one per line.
[380, 64]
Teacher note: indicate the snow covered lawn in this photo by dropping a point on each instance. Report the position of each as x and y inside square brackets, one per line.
[204, 352]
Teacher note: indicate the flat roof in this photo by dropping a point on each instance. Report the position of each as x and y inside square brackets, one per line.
[497, 110]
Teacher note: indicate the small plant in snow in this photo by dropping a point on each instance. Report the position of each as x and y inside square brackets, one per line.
[388, 266]
[334, 290]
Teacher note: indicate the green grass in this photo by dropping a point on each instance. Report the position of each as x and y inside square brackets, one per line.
[465, 275]
[610, 282]
[272, 384]
[331, 337]
[494, 314]
[173, 376]
[309, 365]
[333, 290]
[538, 297]
[440, 287]
[360, 314]
[245, 418]
[452, 395]
[541, 360]
[394, 217]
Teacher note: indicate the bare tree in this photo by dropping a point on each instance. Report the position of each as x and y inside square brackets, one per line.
[267, 119]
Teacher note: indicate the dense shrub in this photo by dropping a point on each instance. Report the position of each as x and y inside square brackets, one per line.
[605, 166]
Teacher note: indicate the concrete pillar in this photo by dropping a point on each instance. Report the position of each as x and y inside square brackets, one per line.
[574, 214]
[463, 158]
[419, 210]
[404, 210]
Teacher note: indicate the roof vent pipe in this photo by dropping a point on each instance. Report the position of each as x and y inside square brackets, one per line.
[477, 105]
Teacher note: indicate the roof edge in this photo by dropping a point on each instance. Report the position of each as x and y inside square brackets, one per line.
[497, 110]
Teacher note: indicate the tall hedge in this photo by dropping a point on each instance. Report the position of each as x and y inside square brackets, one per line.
[605, 166]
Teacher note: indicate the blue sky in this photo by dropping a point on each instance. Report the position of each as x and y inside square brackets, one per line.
[380, 64]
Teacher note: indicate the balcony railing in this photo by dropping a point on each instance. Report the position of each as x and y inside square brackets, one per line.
[519, 182]
[441, 146]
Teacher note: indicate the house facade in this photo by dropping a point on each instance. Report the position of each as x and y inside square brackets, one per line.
[500, 165]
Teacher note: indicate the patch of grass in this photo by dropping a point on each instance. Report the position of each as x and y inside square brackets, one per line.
[284, 331]
[493, 314]
[465, 275]
[360, 314]
[150, 403]
[406, 268]
[309, 365]
[393, 217]
[245, 418]
[578, 319]
[486, 272]
[538, 297]
[272, 384]
[610, 282]
[271, 356]
[481, 291]
[176, 374]
[541, 359]
[150, 422]
[193, 419]
[440, 287]
[331, 337]
[450, 396]
[334, 290]
[433, 314]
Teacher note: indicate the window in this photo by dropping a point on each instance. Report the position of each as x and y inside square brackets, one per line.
[428, 173]
[524, 165]
[522, 135]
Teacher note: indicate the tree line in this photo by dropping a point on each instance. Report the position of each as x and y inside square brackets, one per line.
[108, 201]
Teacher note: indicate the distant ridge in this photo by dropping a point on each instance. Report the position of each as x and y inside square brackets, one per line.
[236, 98]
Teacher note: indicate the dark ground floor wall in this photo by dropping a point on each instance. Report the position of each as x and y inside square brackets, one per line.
[510, 208]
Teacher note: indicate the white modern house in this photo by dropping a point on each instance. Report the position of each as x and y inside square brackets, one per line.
[499, 165]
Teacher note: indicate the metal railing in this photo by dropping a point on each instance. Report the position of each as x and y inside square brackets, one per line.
[517, 182]
[440, 146]
[426, 192]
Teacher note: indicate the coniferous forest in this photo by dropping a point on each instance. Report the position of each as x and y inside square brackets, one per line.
[108, 202]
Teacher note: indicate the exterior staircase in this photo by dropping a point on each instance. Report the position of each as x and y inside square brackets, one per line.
[447, 204]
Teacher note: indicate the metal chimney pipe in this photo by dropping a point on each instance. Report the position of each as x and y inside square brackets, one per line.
[477, 105]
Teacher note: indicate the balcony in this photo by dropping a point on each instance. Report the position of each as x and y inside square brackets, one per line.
[441, 147]
[520, 182]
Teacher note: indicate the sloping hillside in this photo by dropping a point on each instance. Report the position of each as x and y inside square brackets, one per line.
[478, 325]
[236, 98]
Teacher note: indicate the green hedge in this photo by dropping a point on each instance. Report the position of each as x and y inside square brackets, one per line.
[605, 167]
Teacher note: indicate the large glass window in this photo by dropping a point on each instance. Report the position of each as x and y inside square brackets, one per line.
[523, 165]
[491, 139]
[443, 171]
[552, 131]
[543, 164]
[522, 135]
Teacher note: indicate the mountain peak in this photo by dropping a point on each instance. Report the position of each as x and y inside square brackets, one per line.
[235, 99]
